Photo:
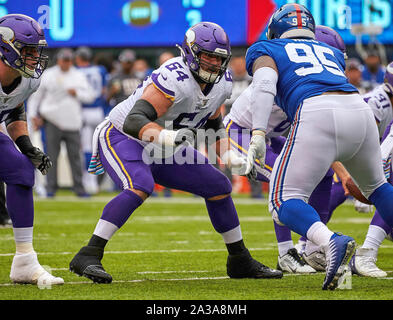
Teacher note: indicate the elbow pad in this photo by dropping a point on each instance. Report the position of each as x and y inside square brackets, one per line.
[141, 114]
[18, 114]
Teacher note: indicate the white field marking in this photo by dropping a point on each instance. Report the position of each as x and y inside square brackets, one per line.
[131, 281]
[174, 271]
[160, 200]
[170, 219]
[184, 279]
[269, 247]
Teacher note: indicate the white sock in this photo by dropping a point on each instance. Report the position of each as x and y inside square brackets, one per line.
[23, 240]
[319, 234]
[284, 246]
[311, 247]
[105, 229]
[374, 238]
[24, 247]
[233, 235]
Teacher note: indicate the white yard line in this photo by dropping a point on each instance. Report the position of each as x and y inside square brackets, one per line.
[141, 251]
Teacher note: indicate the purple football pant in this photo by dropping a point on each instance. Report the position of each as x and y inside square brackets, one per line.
[17, 171]
[124, 159]
[319, 199]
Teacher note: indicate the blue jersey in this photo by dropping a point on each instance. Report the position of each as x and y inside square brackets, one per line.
[306, 68]
[97, 78]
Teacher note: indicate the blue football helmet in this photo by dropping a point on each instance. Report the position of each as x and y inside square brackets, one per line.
[291, 20]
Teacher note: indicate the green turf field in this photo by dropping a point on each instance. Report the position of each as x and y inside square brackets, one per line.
[168, 250]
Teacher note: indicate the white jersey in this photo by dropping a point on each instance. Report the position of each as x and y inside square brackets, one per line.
[241, 114]
[20, 94]
[381, 106]
[191, 107]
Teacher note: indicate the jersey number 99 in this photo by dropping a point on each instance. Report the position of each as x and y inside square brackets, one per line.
[316, 58]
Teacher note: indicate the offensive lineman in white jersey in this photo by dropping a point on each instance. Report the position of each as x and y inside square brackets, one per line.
[184, 93]
[22, 63]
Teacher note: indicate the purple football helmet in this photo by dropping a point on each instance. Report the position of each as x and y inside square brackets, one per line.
[330, 37]
[388, 80]
[22, 43]
[211, 39]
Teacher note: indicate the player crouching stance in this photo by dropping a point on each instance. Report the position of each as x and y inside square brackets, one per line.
[22, 63]
[330, 122]
[184, 93]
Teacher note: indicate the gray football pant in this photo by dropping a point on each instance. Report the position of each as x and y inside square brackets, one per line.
[72, 139]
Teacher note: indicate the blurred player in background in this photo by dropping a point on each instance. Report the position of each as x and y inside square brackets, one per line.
[92, 113]
[330, 122]
[22, 63]
[164, 57]
[185, 93]
[353, 71]
[373, 71]
[59, 102]
[123, 83]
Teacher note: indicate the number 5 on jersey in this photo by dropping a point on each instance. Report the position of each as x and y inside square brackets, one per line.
[317, 59]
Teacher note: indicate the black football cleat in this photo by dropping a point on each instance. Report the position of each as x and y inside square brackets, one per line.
[87, 263]
[244, 266]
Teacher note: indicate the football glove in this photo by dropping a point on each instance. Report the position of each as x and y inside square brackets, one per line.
[39, 159]
[256, 151]
[177, 137]
[236, 163]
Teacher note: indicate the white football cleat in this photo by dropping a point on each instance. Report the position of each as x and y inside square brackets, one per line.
[363, 263]
[300, 246]
[26, 269]
[316, 259]
[363, 207]
[293, 263]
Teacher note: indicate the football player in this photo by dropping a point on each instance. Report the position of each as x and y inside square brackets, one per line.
[329, 122]
[22, 63]
[238, 120]
[93, 113]
[364, 261]
[183, 94]
[381, 102]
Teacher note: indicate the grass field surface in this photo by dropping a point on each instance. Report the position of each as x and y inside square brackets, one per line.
[168, 250]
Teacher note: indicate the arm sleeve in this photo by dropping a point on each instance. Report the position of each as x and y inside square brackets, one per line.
[263, 91]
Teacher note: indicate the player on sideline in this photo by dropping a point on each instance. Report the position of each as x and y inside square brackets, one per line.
[184, 93]
[22, 63]
[93, 113]
[330, 122]
[238, 124]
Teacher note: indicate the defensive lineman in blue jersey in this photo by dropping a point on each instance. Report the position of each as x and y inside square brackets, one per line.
[94, 113]
[330, 122]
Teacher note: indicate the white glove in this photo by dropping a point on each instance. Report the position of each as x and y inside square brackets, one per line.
[235, 162]
[176, 137]
[256, 151]
[363, 207]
